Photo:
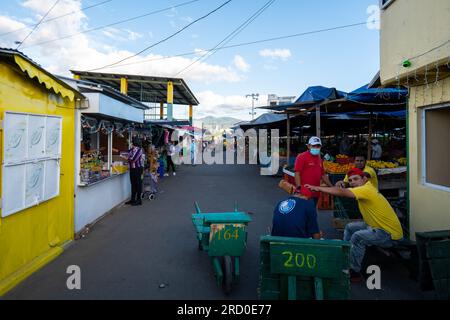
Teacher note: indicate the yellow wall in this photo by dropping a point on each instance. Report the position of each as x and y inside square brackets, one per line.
[429, 207]
[31, 238]
[410, 28]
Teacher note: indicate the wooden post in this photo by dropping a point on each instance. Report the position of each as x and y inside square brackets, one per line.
[288, 139]
[318, 121]
[369, 149]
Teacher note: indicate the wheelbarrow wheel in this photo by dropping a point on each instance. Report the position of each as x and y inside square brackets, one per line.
[227, 274]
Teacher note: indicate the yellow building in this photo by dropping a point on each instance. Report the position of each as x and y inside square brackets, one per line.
[415, 52]
[37, 171]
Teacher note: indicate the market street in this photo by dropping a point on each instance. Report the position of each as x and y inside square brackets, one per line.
[131, 252]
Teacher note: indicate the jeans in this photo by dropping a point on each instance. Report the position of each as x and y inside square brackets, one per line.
[360, 236]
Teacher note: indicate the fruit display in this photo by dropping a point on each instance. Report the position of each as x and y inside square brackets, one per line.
[343, 159]
[91, 167]
[377, 164]
[402, 161]
[336, 168]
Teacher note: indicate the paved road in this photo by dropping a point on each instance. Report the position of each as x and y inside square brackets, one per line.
[131, 252]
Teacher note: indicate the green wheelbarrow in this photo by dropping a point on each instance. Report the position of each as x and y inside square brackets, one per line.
[224, 237]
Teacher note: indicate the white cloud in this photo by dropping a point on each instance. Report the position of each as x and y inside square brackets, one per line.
[213, 104]
[82, 52]
[282, 54]
[241, 64]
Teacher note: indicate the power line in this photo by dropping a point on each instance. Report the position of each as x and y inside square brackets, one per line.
[229, 37]
[42, 19]
[112, 24]
[165, 39]
[245, 44]
[56, 18]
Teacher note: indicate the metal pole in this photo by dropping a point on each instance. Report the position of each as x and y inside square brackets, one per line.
[254, 97]
[318, 121]
[369, 150]
[288, 149]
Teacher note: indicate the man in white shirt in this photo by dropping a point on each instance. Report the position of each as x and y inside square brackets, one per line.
[376, 150]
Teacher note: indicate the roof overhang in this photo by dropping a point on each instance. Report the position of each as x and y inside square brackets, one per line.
[144, 88]
[45, 78]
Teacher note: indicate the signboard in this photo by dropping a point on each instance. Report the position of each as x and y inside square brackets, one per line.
[32, 151]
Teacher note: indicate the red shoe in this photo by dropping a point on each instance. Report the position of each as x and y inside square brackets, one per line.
[355, 277]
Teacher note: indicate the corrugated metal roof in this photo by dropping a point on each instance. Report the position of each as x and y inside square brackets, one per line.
[144, 88]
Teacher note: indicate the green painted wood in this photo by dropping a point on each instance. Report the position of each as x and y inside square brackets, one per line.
[318, 284]
[292, 288]
[217, 270]
[274, 286]
[323, 261]
[438, 249]
[237, 272]
[230, 241]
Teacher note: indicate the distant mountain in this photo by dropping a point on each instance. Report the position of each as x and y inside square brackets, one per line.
[221, 122]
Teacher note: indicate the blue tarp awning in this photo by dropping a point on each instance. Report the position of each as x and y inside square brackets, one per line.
[317, 94]
[312, 96]
[266, 118]
[378, 95]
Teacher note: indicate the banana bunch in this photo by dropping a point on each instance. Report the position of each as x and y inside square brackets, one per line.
[402, 161]
[377, 164]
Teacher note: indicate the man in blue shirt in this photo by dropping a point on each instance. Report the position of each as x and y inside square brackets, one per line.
[296, 217]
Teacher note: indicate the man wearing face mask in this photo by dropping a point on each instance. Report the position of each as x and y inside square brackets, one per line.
[309, 168]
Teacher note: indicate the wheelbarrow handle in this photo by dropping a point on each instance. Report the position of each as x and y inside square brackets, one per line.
[197, 208]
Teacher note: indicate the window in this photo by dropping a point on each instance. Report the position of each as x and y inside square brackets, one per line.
[436, 147]
[385, 3]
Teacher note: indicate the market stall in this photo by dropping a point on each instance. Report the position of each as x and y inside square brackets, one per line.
[103, 134]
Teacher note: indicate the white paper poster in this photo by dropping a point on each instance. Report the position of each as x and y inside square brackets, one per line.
[34, 183]
[36, 132]
[32, 152]
[15, 138]
[53, 136]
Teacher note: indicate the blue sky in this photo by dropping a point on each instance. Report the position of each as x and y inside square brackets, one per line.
[346, 58]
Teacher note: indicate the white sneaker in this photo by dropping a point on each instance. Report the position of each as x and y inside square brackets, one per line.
[166, 174]
[174, 174]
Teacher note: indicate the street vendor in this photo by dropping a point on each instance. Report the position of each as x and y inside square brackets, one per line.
[361, 163]
[381, 226]
[309, 168]
[296, 217]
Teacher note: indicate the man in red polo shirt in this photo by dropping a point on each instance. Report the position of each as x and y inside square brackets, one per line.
[309, 168]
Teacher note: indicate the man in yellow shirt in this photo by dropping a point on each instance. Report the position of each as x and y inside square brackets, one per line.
[360, 163]
[380, 227]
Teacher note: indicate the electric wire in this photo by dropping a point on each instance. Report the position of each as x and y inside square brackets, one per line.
[56, 18]
[229, 37]
[37, 25]
[242, 44]
[111, 24]
[165, 39]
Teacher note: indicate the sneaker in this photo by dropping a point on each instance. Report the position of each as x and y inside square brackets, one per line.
[174, 173]
[166, 174]
[355, 277]
[137, 203]
[129, 202]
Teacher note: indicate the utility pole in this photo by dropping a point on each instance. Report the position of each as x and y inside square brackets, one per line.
[254, 97]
